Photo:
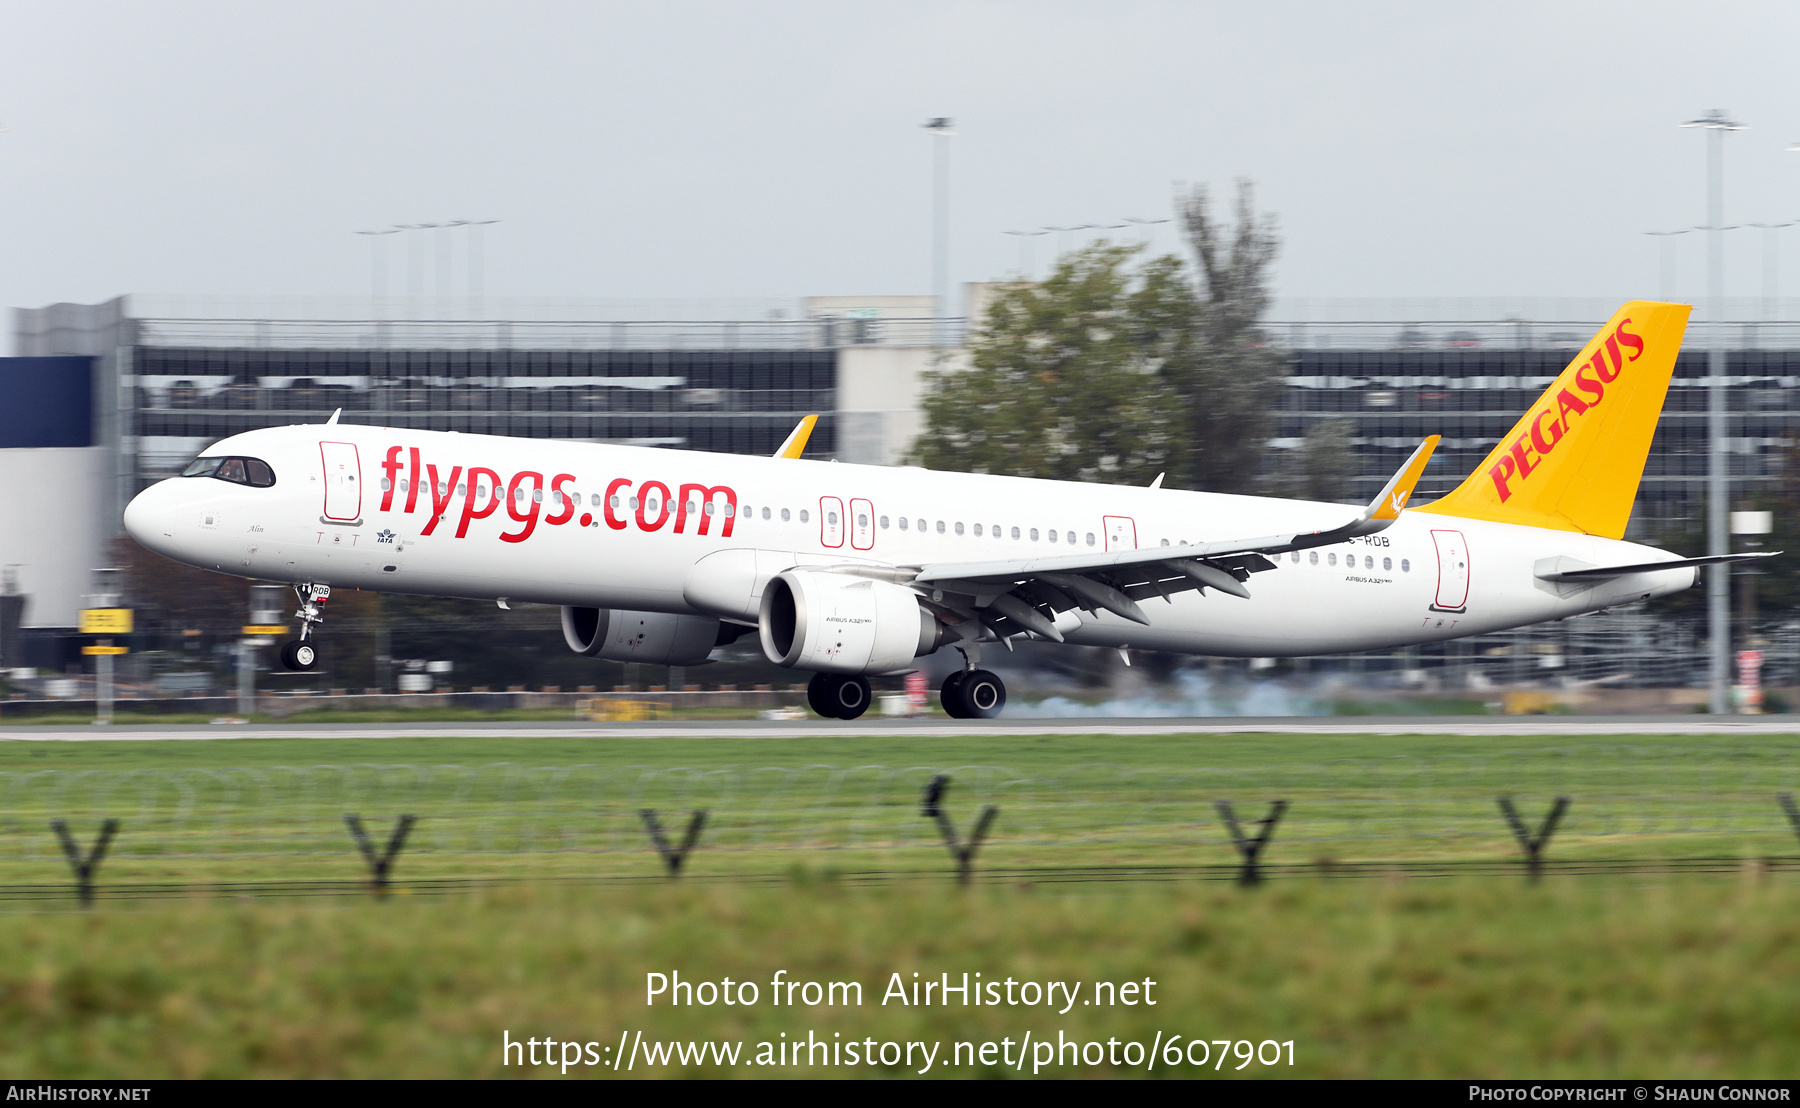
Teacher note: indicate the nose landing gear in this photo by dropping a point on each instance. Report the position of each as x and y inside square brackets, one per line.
[299, 655]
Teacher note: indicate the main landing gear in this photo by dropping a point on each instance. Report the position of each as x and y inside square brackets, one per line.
[837, 696]
[972, 694]
[299, 655]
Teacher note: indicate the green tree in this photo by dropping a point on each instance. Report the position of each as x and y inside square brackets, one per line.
[1314, 469]
[1106, 373]
[1227, 368]
[1065, 376]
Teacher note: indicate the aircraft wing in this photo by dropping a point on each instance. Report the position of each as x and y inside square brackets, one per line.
[1026, 594]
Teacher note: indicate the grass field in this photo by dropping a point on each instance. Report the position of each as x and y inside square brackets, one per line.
[1573, 978]
[1653, 974]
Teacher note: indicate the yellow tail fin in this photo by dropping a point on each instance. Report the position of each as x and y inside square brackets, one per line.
[1574, 462]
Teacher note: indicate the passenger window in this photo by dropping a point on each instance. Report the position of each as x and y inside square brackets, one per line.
[996, 530]
[1034, 534]
[784, 515]
[1331, 559]
[1387, 564]
[940, 526]
[1053, 536]
[804, 515]
[959, 528]
[977, 530]
[1072, 539]
[922, 525]
[1405, 566]
[1015, 534]
[1090, 538]
[884, 523]
[902, 523]
[1312, 557]
[863, 521]
[765, 513]
[831, 518]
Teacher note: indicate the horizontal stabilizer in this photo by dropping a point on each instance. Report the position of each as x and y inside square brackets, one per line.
[1590, 573]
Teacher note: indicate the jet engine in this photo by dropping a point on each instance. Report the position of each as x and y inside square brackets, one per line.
[838, 623]
[653, 637]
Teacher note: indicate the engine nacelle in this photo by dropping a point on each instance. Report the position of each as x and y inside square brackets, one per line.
[838, 623]
[653, 637]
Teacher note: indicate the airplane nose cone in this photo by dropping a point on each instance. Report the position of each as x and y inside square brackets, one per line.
[150, 517]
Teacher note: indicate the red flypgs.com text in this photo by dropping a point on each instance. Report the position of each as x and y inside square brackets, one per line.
[482, 492]
[1550, 424]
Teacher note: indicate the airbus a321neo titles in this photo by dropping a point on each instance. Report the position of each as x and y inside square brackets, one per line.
[851, 571]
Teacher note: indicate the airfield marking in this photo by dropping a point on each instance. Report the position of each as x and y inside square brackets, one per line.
[894, 729]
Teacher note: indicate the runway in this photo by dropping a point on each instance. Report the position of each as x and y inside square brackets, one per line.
[1588, 726]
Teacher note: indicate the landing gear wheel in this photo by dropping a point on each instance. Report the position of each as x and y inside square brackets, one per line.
[982, 694]
[299, 656]
[951, 697]
[836, 696]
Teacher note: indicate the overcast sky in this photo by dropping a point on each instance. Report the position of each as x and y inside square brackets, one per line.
[774, 149]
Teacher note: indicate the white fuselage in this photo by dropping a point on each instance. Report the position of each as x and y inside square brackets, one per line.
[329, 519]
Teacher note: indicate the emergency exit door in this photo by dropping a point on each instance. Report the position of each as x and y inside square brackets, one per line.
[1121, 532]
[1453, 571]
[343, 481]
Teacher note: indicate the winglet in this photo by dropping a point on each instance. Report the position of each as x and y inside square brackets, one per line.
[1393, 497]
[796, 441]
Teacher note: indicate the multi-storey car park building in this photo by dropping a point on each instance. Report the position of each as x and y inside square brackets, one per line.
[159, 385]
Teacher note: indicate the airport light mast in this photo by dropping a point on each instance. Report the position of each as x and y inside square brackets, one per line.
[1718, 582]
[941, 128]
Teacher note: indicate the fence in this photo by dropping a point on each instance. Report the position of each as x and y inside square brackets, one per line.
[1658, 808]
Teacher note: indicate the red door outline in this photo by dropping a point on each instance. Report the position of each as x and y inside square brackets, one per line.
[831, 534]
[862, 524]
[1121, 532]
[342, 469]
[1453, 571]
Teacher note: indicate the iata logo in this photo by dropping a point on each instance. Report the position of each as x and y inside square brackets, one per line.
[481, 492]
[1550, 425]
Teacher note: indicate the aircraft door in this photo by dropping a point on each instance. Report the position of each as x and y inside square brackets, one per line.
[343, 481]
[1453, 571]
[831, 522]
[1121, 532]
[862, 524]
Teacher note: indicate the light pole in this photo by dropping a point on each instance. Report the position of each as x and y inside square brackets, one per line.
[476, 262]
[377, 269]
[1062, 236]
[1027, 268]
[415, 266]
[941, 127]
[1143, 226]
[1718, 584]
[1667, 267]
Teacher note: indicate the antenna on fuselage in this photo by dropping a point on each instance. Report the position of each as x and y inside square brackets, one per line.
[334, 416]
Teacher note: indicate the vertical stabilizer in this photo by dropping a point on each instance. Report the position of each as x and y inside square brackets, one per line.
[1574, 461]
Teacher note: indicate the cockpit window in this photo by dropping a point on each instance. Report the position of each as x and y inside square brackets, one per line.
[239, 471]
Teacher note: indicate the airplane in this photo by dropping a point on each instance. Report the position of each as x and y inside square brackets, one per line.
[851, 571]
